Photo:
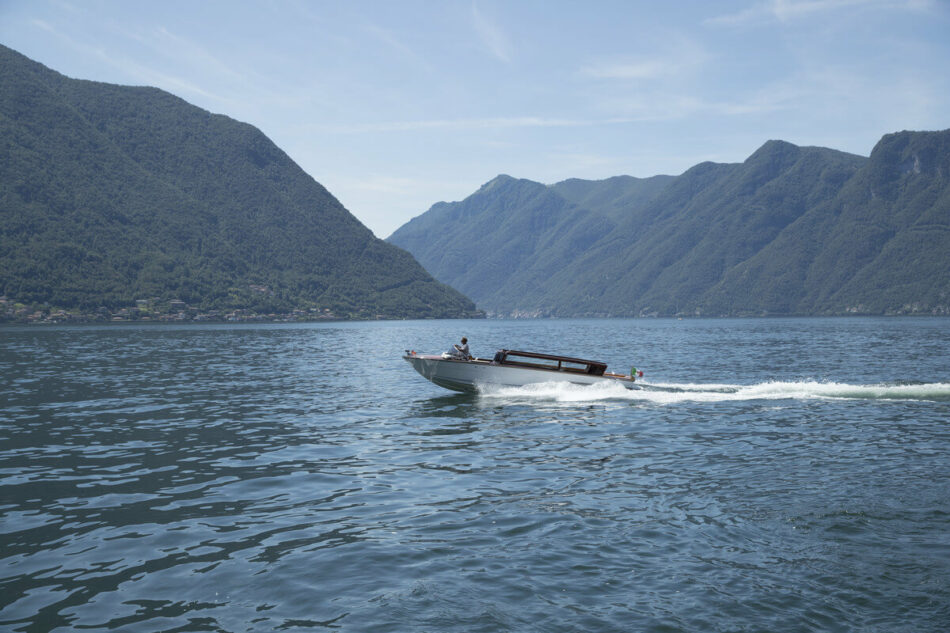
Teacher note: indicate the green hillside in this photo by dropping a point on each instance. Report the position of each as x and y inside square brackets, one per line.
[112, 194]
[791, 230]
[883, 239]
[616, 197]
[500, 236]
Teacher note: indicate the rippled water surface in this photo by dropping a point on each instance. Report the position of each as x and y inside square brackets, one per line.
[772, 475]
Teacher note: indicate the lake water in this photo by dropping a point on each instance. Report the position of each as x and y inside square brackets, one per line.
[773, 475]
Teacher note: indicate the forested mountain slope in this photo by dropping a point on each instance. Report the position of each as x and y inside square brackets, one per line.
[791, 230]
[111, 194]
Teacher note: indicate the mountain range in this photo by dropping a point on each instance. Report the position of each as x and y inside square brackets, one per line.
[790, 231]
[114, 194]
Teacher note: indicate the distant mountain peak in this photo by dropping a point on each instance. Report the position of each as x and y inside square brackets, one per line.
[504, 181]
[774, 149]
[497, 181]
[910, 152]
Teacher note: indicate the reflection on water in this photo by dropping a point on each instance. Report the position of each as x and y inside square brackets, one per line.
[299, 477]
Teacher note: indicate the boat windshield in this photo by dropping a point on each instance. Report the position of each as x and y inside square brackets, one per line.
[550, 362]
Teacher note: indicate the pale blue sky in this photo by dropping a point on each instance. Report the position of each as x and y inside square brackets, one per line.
[395, 105]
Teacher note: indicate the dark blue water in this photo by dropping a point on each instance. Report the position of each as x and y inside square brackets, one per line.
[775, 475]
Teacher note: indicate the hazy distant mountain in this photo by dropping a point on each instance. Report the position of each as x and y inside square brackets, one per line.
[616, 197]
[792, 230]
[110, 194]
[507, 232]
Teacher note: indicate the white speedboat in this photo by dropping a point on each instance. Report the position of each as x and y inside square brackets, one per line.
[512, 368]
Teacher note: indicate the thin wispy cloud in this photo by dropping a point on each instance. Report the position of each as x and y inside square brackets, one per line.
[780, 11]
[842, 92]
[393, 43]
[137, 73]
[147, 76]
[388, 184]
[786, 11]
[387, 37]
[573, 164]
[642, 69]
[165, 44]
[673, 57]
[467, 124]
[666, 106]
[491, 36]
[42, 24]
[194, 53]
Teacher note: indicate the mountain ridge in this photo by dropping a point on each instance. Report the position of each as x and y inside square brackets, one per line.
[790, 230]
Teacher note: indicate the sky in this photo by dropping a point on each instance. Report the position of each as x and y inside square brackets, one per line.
[396, 105]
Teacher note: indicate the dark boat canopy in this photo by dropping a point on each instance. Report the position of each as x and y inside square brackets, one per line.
[556, 363]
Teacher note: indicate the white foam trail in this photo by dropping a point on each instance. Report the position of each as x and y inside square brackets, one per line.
[558, 391]
[670, 393]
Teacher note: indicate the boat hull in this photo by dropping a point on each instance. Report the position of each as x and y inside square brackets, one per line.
[467, 376]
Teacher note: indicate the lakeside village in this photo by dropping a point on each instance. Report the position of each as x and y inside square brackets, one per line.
[146, 310]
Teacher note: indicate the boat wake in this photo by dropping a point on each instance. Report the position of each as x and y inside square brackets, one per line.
[671, 393]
